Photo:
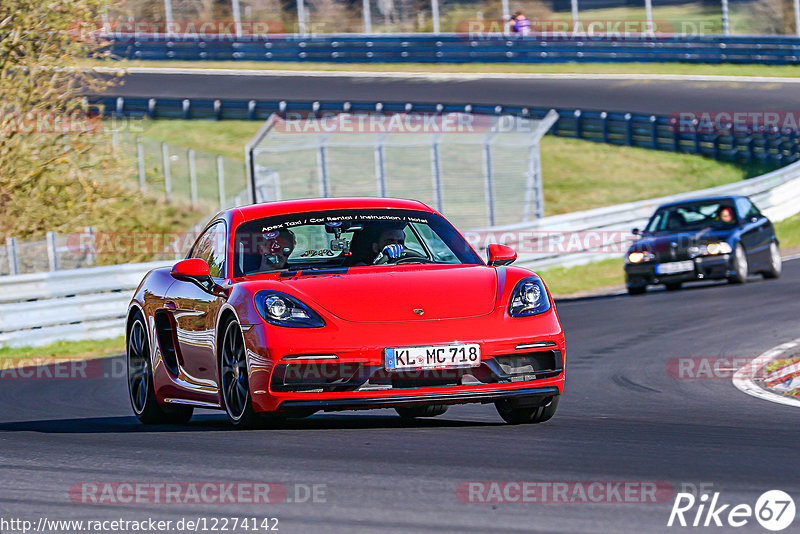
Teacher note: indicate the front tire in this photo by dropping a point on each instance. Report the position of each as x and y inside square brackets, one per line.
[141, 388]
[739, 265]
[775, 262]
[520, 415]
[412, 412]
[234, 380]
[636, 290]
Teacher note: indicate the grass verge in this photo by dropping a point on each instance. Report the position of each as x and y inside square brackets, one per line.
[772, 71]
[79, 350]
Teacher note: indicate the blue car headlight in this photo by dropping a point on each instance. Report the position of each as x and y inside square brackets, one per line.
[284, 310]
[529, 298]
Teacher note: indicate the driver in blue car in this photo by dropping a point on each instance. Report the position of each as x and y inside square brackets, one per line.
[389, 246]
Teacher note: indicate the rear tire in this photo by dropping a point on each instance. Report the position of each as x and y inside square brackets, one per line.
[673, 286]
[141, 388]
[739, 265]
[412, 412]
[520, 415]
[775, 262]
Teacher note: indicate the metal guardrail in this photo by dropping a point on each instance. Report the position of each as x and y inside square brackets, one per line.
[767, 146]
[41, 308]
[461, 48]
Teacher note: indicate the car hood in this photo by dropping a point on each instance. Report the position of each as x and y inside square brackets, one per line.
[660, 243]
[393, 293]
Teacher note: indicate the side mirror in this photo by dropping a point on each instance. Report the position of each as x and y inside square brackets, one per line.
[501, 255]
[636, 231]
[192, 270]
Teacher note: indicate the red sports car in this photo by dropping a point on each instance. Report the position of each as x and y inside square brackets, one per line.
[288, 308]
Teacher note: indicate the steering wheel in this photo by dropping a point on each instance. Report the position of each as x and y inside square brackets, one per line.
[410, 256]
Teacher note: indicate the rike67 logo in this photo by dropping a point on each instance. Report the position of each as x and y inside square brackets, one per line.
[774, 510]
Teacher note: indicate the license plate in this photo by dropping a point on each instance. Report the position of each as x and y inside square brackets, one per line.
[675, 267]
[433, 356]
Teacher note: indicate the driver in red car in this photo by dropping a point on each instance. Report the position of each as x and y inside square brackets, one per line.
[390, 245]
[275, 248]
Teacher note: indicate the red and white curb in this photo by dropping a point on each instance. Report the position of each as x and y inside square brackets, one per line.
[743, 378]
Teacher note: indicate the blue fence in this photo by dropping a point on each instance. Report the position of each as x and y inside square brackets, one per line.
[452, 48]
[769, 147]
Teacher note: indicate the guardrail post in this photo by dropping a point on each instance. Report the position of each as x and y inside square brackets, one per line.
[697, 146]
[629, 129]
[654, 132]
[604, 118]
[436, 173]
[13, 257]
[578, 124]
[192, 176]
[167, 173]
[52, 251]
[676, 126]
[221, 181]
[142, 169]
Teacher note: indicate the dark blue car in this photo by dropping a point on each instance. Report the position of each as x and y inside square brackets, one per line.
[711, 238]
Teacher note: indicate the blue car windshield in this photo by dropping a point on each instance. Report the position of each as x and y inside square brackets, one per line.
[347, 238]
[693, 217]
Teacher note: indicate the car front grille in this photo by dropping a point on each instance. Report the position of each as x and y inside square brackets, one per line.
[344, 376]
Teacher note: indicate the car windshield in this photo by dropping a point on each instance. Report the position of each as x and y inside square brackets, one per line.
[692, 217]
[347, 238]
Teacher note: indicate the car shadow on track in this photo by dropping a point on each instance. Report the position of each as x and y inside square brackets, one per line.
[211, 423]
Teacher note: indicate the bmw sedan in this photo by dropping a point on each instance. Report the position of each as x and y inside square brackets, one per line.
[716, 238]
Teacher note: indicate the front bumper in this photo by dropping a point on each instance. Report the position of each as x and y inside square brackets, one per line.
[273, 349]
[705, 268]
[531, 395]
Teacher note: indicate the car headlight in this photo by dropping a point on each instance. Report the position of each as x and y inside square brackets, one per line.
[284, 310]
[639, 256]
[529, 298]
[718, 248]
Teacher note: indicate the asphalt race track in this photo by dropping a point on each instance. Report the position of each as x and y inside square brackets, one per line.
[623, 418]
[657, 96]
